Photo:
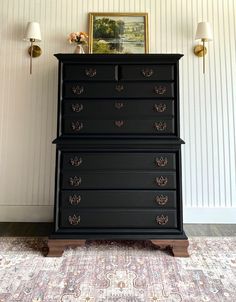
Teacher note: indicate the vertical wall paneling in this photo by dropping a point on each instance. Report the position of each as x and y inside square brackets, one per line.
[28, 104]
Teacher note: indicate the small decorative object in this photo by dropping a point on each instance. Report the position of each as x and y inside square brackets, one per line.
[118, 33]
[80, 39]
[79, 49]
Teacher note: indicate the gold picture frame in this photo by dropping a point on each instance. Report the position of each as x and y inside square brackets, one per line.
[114, 33]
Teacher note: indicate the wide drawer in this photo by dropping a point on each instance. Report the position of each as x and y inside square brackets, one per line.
[118, 180]
[147, 72]
[89, 72]
[118, 161]
[118, 199]
[118, 90]
[98, 108]
[158, 126]
[118, 218]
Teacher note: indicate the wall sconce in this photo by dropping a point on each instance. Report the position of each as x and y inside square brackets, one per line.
[204, 34]
[33, 34]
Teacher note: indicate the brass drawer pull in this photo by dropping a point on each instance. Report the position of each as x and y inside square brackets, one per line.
[161, 199]
[161, 161]
[77, 107]
[160, 126]
[119, 105]
[119, 123]
[160, 90]
[162, 181]
[75, 181]
[119, 87]
[162, 220]
[77, 126]
[90, 72]
[160, 107]
[76, 161]
[78, 89]
[147, 72]
[74, 199]
[74, 220]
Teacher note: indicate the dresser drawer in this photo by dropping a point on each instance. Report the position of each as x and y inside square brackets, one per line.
[147, 72]
[118, 218]
[157, 126]
[89, 72]
[122, 108]
[118, 161]
[118, 199]
[118, 90]
[118, 180]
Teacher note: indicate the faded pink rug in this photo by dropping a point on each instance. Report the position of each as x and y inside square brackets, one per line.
[118, 272]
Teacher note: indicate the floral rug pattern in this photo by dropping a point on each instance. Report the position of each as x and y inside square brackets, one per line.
[113, 271]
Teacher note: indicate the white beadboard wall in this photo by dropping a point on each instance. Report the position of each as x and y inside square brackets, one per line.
[28, 103]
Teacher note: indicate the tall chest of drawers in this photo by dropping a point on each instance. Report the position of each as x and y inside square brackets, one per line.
[118, 164]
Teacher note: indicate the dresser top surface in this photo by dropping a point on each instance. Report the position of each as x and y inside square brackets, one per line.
[129, 58]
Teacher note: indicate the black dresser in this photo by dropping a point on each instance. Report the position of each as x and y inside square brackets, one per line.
[118, 164]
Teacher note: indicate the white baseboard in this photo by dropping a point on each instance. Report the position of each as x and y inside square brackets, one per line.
[45, 214]
[26, 213]
[209, 215]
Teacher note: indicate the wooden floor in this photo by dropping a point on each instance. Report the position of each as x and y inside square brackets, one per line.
[44, 229]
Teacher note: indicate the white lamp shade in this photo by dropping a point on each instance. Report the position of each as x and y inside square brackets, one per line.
[32, 31]
[204, 31]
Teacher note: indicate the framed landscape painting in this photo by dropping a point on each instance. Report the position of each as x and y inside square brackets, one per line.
[114, 33]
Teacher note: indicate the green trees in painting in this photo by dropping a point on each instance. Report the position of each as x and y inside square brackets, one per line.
[107, 28]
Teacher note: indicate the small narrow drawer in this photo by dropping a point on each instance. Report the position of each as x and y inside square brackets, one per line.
[118, 90]
[147, 72]
[118, 199]
[157, 126]
[118, 161]
[118, 180]
[119, 218]
[122, 108]
[89, 72]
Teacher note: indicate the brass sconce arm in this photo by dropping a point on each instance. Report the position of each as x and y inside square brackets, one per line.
[201, 51]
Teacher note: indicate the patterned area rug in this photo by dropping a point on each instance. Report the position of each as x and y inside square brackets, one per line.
[108, 271]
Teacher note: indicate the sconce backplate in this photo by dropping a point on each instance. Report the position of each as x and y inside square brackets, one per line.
[198, 51]
[37, 51]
